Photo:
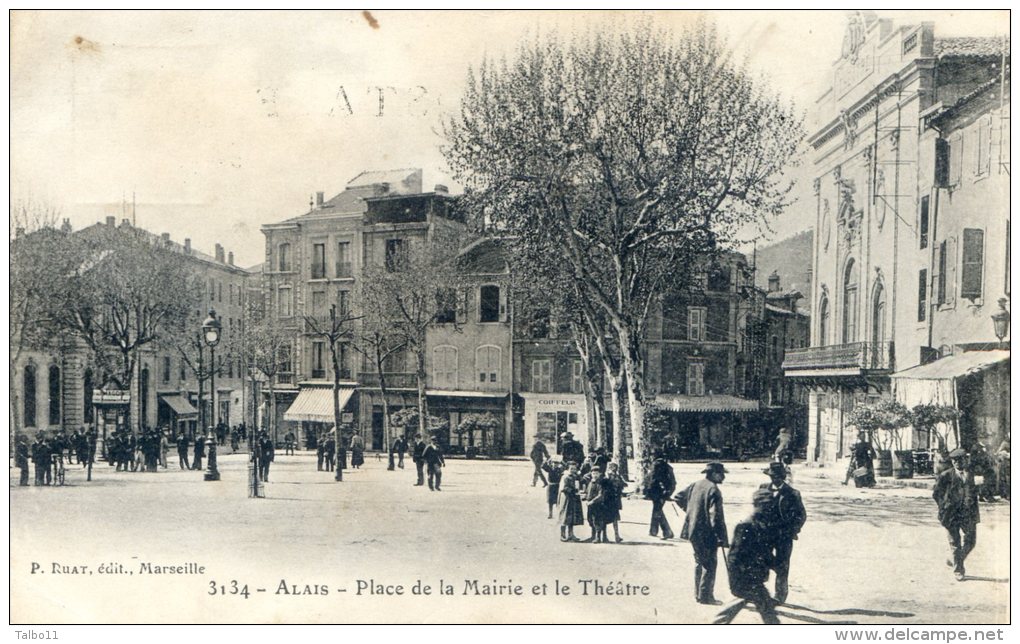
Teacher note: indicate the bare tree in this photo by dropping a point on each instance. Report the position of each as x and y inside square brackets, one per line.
[634, 154]
[266, 347]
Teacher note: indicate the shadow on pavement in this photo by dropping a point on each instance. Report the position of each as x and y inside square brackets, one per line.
[994, 580]
[852, 611]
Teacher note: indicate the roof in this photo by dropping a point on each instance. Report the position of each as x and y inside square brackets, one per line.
[782, 311]
[724, 402]
[970, 46]
[484, 255]
[403, 180]
[956, 366]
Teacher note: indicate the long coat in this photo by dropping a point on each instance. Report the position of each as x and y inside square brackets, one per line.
[705, 522]
[957, 499]
[571, 512]
[750, 557]
[787, 511]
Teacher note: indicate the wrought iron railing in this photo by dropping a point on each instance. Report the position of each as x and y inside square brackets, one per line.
[397, 380]
[868, 356]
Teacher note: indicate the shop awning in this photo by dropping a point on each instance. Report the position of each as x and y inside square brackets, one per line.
[682, 403]
[957, 366]
[465, 394]
[179, 404]
[316, 404]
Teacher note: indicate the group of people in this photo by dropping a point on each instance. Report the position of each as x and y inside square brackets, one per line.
[331, 450]
[45, 453]
[145, 451]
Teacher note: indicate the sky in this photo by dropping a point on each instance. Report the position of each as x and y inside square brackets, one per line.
[214, 123]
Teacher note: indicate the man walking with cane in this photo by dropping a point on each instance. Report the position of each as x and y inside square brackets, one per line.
[660, 487]
[705, 528]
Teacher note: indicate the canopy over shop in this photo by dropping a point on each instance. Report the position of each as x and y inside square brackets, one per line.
[312, 410]
[707, 426]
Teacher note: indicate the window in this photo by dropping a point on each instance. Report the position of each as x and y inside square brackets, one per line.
[540, 324]
[940, 280]
[219, 290]
[212, 289]
[541, 376]
[183, 374]
[284, 305]
[577, 377]
[396, 362]
[283, 260]
[823, 321]
[285, 365]
[166, 369]
[775, 349]
[696, 378]
[231, 293]
[343, 303]
[955, 160]
[345, 360]
[973, 263]
[318, 359]
[696, 324]
[29, 395]
[922, 295]
[343, 259]
[54, 395]
[396, 257]
[318, 302]
[446, 306]
[488, 304]
[487, 363]
[444, 367]
[851, 278]
[318, 261]
[230, 366]
[924, 223]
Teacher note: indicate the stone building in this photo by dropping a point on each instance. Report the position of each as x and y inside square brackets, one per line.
[870, 284]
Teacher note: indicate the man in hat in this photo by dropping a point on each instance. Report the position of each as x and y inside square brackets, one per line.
[660, 486]
[571, 450]
[419, 461]
[21, 459]
[785, 518]
[433, 457]
[957, 499]
[749, 561]
[539, 455]
[705, 528]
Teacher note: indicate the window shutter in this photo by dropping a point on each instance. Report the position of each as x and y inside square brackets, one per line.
[462, 305]
[922, 295]
[504, 308]
[973, 263]
[938, 286]
[950, 277]
[956, 160]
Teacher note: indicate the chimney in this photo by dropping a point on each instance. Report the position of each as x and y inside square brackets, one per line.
[230, 258]
[166, 239]
[219, 253]
[440, 189]
[111, 221]
[381, 189]
[66, 226]
[125, 222]
[187, 245]
[774, 282]
[320, 198]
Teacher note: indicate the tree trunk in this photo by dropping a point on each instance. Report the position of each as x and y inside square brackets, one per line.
[619, 437]
[423, 409]
[634, 371]
[271, 423]
[387, 439]
[15, 402]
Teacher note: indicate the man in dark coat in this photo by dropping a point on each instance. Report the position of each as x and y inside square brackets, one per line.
[749, 561]
[199, 452]
[40, 458]
[571, 450]
[182, 451]
[785, 518]
[539, 455]
[862, 457]
[419, 461]
[957, 499]
[433, 457]
[267, 453]
[330, 452]
[660, 486]
[705, 528]
[21, 459]
[400, 447]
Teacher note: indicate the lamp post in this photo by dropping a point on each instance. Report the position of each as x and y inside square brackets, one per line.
[1001, 320]
[211, 328]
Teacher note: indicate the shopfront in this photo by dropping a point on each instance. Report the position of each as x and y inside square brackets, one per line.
[547, 416]
[311, 413]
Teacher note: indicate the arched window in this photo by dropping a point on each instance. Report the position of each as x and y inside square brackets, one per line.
[487, 359]
[489, 303]
[283, 258]
[29, 390]
[851, 278]
[823, 321]
[54, 395]
[878, 314]
[87, 386]
[444, 366]
[144, 394]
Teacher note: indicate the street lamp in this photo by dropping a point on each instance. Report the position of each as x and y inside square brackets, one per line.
[211, 328]
[1001, 320]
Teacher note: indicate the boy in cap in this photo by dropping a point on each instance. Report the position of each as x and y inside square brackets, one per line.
[786, 517]
[705, 528]
[658, 491]
[957, 499]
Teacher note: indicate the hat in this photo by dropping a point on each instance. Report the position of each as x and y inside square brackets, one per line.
[959, 452]
[715, 467]
[775, 469]
[567, 435]
[761, 498]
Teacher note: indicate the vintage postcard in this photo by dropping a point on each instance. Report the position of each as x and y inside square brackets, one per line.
[511, 317]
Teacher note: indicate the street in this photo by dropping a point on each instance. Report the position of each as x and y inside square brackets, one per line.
[863, 556]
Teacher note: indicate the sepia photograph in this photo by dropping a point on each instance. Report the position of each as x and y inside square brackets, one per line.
[511, 317]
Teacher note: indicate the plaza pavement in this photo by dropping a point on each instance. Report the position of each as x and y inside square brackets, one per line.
[864, 556]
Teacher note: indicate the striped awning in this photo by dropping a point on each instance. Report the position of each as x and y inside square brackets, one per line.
[682, 403]
[316, 404]
[449, 393]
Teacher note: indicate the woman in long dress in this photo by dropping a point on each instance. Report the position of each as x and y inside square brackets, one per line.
[357, 451]
[571, 511]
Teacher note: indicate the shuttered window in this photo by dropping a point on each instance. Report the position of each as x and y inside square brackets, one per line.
[972, 265]
[922, 295]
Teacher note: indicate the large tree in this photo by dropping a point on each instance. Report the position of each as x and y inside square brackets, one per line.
[633, 153]
[266, 347]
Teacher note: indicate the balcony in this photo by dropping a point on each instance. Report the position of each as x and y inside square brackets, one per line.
[393, 380]
[344, 270]
[854, 359]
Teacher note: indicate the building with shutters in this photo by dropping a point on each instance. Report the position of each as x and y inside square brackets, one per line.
[872, 264]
